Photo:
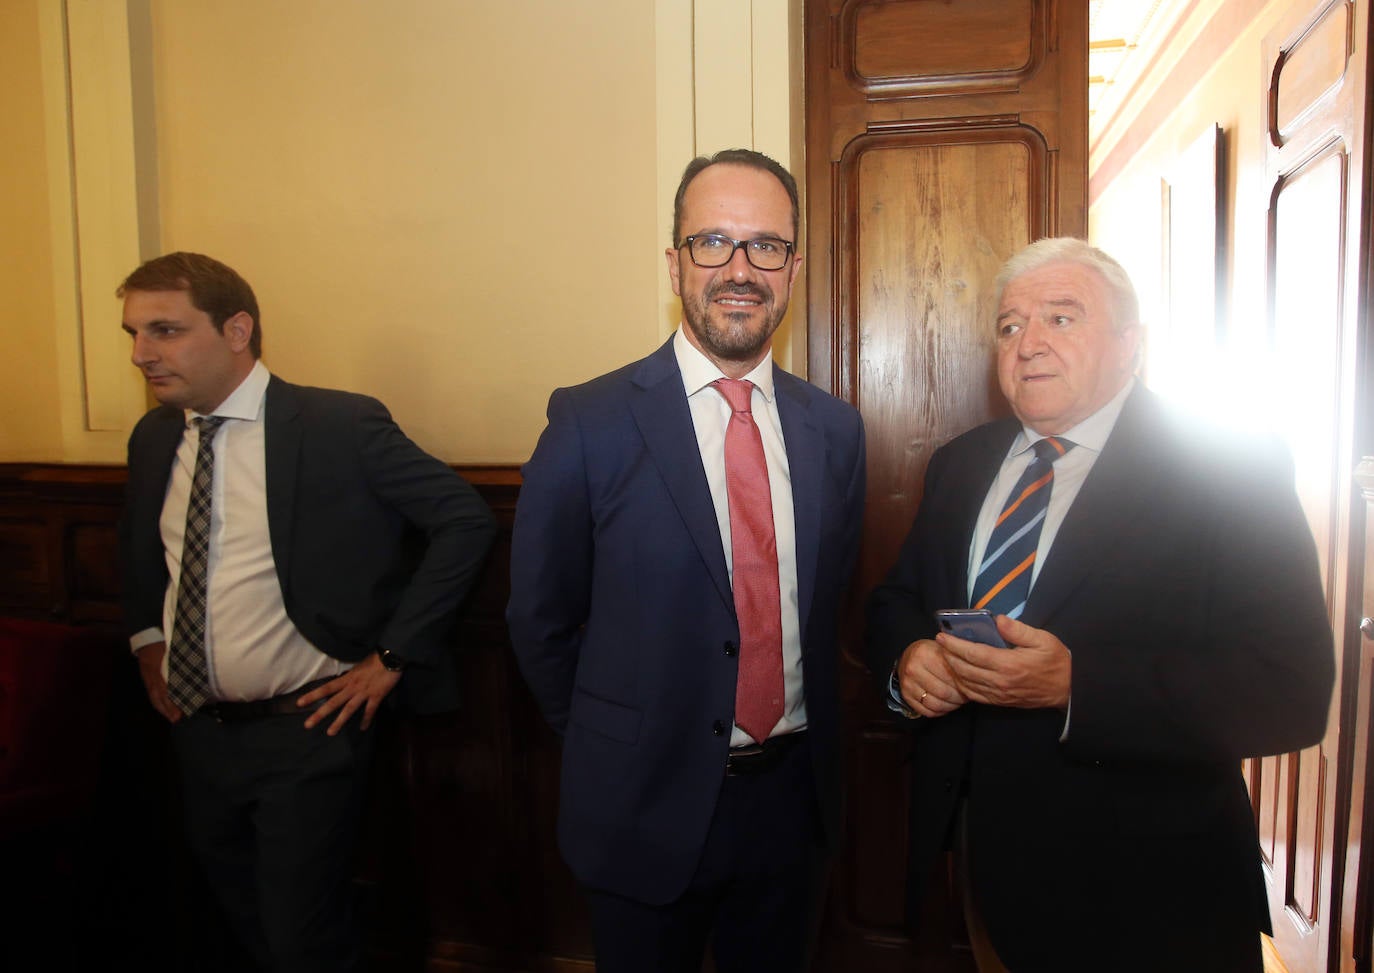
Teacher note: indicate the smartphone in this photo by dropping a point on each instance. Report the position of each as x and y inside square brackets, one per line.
[970, 624]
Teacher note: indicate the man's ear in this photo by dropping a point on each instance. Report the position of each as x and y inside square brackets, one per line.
[674, 269]
[239, 331]
[1131, 347]
[794, 272]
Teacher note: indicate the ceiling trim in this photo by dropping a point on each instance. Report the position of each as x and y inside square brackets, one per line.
[1185, 57]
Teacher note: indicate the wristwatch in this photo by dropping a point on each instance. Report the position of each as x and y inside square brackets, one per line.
[390, 660]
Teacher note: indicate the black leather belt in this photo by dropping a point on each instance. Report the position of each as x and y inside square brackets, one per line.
[759, 758]
[226, 711]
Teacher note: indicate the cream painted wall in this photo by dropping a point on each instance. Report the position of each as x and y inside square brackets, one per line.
[451, 205]
[30, 422]
[1125, 220]
[411, 187]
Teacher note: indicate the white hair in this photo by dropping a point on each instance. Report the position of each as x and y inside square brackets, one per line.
[1066, 249]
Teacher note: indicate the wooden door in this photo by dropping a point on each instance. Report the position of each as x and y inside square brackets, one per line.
[1315, 170]
[941, 138]
[1356, 941]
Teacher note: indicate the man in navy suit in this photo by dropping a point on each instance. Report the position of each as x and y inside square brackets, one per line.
[1089, 776]
[327, 553]
[629, 558]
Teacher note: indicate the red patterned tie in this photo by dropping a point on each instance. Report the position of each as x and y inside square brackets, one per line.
[754, 553]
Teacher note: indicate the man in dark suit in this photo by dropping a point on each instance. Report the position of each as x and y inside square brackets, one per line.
[290, 558]
[682, 641]
[1175, 623]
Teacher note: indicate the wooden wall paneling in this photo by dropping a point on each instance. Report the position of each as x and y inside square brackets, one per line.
[952, 200]
[941, 137]
[458, 868]
[1316, 86]
[481, 792]
[1264, 795]
[57, 541]
[896, 50]
[1306, 285]
[1356, 941]
[26, 574]
[1353, 948]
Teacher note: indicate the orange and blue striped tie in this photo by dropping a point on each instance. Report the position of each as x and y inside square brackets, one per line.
[1004, 579]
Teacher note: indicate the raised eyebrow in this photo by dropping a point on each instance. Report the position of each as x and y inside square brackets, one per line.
[1072, 303]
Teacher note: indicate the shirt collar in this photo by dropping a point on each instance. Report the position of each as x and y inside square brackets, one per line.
[698, 371]
[1091, 433]
[246, 401]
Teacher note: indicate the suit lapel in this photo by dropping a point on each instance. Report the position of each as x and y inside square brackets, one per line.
[150, 470]
[282, 433]
[162, 450]
[659, 406]
[1122, 480]
[806, 464]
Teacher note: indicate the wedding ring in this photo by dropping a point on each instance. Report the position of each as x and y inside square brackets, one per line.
[923, 696]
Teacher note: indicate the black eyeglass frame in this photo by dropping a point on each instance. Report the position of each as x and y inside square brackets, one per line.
[735, 245]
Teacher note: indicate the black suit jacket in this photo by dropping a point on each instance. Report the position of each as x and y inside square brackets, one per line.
[623, 619]
[375, 541]
[1184, 581]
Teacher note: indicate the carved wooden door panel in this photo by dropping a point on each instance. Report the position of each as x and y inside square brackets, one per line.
[1356, 940]
[1315, 171]
[941, 137]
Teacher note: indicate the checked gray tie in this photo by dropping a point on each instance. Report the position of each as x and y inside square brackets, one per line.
[188, 675]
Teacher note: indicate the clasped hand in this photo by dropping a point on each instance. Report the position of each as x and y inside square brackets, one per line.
[939, 675]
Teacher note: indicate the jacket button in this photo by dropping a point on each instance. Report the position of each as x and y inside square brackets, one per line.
[731, 649]
[718, 728]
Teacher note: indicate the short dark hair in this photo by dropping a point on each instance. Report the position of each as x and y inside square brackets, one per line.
[736, 157]
[215, 288]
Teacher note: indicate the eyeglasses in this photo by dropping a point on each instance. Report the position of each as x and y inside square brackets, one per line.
[715, 250]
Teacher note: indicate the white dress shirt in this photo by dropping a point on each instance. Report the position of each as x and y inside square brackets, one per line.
[1070, 470]
[254, 649]
[710, 416]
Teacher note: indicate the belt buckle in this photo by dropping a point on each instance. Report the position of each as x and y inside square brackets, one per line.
[739, 759]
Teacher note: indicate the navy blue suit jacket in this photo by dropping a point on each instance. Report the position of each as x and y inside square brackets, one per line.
[375, 541]
[621, 612]
[1184, 581]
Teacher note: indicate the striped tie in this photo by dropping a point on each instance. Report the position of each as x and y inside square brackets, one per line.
[188, 675]
[1004, 579]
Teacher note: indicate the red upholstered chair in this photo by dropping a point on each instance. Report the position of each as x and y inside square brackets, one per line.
[54, 697]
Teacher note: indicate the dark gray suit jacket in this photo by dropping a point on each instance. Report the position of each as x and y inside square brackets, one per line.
[375, 541]
[1184, 581]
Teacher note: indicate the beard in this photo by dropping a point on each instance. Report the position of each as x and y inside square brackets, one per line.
[733, 335]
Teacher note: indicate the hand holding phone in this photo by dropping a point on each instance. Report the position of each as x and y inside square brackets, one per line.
[971, 624]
